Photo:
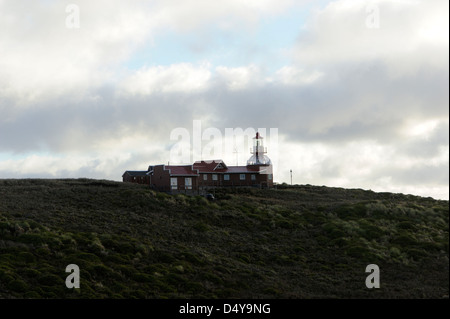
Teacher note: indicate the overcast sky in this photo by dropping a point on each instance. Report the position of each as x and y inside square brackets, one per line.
[358, 90]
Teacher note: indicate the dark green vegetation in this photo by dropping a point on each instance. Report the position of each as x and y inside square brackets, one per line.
[293, 242]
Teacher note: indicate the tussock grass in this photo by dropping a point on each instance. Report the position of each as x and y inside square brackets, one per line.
[293, 242]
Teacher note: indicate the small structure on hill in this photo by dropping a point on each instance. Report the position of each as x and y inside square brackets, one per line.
[139, 177]
[207, 174]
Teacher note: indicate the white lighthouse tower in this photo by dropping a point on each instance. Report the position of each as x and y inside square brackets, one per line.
[258, 152]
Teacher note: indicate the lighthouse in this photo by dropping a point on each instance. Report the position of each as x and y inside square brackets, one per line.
[258, 152]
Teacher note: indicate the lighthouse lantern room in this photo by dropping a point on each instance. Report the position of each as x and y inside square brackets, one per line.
[258, 152]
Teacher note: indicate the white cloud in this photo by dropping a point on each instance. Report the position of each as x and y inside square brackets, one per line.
[189, 78]
[291, 75]
[187, 15]
[42, 58]
[108, 159]
[418, 128]
[411, 34]
[355, 107]
[43, 164]
[241, 77]
[367, 165]
[183, 77]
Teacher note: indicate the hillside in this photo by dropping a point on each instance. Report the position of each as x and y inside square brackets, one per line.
[292, 242]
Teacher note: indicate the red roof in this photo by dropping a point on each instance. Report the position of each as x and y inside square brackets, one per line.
[181, 170]
[209, 166]
[212, 167]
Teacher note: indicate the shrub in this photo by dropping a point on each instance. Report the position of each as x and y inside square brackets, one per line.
[4, 228]
[244, 258]
[165, 257]
[33, 239]
[141, 277]
[201, 201]
[100, 271]
[406, 225]
[116, 258]
[201, 227]
[26, 257]
[340, 242]
[5, 277]
[213, 278]
[285, 224]
[395, 252]
[404, 240]
[416, 254]
[193, 259]
[96, 245]
[50, 280]
[432, 246]
[357, 251]
[377, 209]
[336, 233]
[32, 295]
[193, 287]
[31, 273]
[353, 211]
[126, 270]
[371, 232]
[174, 279]
[86, 257]
[162, 196]
[17, 285]
[254, 240]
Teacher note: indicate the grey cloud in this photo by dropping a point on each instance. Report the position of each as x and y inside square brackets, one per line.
[426, 147]
[424, 175]
[360, 97]
[368, 106]
[64, 125]
[359, 103]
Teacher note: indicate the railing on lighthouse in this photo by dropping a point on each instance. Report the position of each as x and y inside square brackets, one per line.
[258, 152]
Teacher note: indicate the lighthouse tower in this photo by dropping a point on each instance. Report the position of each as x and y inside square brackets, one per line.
[258, 152]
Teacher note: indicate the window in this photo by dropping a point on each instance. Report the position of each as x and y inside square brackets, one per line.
[205, 177]
[188, 182]
[214, 177]
[226, 177]
[173, 183]
[270, 176]
[242, 177]
[253, 177]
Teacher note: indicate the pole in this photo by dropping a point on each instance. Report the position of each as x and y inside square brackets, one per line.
[291, 177]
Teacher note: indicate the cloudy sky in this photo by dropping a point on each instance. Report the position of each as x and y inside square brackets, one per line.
[357, 90]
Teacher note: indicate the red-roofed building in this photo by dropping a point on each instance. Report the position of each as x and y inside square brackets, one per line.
[171, 178]
[214, 173]
[217, 173]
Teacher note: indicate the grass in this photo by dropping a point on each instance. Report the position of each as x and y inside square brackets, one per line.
[293, 242]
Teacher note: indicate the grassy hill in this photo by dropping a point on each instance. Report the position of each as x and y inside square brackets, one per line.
[292, 242]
